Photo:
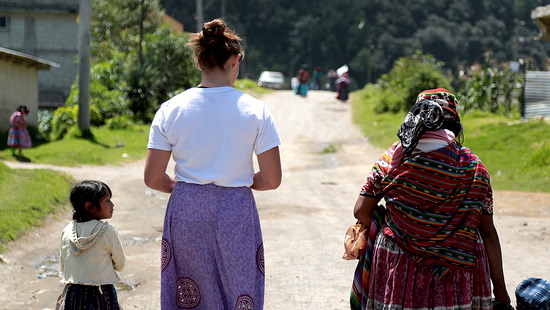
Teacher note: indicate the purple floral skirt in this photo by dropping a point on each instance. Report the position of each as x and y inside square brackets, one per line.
[212, 250]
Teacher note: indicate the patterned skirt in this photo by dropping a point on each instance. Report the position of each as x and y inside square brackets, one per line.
[19, 137]
[212, 250]
[88, 297]
[399, 282]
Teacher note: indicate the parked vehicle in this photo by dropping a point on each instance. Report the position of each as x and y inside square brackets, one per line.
[271, 79]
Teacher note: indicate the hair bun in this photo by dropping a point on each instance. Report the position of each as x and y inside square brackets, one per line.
[213, 33]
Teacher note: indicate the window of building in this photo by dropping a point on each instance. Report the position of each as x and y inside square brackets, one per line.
[3, 22]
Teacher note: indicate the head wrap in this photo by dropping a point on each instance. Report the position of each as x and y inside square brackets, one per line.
[451, 104]
[427, 114]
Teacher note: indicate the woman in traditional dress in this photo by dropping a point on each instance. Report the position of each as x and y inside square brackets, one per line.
[212, 248]
[433, 245]
[18, 135]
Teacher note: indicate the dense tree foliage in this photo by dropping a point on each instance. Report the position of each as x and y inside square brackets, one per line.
[369, 35]
[137, 62]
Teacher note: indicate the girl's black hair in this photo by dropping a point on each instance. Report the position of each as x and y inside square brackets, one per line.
[23, 109]
[87, 191]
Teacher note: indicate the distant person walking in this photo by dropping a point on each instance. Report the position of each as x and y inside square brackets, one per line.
[332, 76]
[91, 251]
[212, 248]
[18, 135]
[316, 78]
[342, 86]
[303, 77]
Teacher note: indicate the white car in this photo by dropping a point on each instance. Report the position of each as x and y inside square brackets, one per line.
[271, 79]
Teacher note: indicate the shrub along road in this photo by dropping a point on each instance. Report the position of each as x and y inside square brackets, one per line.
[325, 160]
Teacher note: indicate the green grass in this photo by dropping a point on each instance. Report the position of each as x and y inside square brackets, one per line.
[28, 198]
[106, 147]
[516, 153]
[331, 148]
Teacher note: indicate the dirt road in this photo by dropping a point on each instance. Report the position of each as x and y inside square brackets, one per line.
[325, 160]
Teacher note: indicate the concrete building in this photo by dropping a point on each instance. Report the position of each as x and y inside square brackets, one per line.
[19, 84]
[45, 29]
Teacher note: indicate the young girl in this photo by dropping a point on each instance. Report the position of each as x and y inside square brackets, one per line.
[91, 251]
[18, 136]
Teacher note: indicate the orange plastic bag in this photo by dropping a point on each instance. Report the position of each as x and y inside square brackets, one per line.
[355, 241]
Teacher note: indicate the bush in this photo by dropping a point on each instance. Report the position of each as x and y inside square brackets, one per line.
[104, 103]
[119, 122]
[63, 119]
[407, 78]
[45, 118]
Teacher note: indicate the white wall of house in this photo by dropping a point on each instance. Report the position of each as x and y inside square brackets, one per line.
[18, 85]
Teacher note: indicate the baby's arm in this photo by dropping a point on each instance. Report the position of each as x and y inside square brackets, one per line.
[115, 247]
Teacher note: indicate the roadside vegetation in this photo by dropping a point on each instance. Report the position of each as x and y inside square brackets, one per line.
[28, 197]
[516, 152]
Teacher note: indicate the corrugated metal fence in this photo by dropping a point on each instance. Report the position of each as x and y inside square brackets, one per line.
[536, 95]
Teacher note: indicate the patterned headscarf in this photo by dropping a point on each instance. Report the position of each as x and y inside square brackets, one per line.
[427, 114]
[450, 105]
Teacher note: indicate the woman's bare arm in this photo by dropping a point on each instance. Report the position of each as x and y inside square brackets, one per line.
[270, 174]
[155, 175]
[363, 209]
[492, 245]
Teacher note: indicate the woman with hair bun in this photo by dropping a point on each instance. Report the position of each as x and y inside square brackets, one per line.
[212, 248]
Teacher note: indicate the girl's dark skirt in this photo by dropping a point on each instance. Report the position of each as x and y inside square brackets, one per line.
[88, 297]
[212, 250]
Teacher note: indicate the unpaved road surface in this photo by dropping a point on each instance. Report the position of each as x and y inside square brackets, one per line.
[303, 221]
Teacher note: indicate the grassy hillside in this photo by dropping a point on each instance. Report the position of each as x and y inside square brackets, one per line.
[28, 197]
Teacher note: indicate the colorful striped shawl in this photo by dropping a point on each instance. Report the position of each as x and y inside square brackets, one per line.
[434, 202]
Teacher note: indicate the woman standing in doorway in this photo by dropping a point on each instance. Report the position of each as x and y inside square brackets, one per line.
[212, 248]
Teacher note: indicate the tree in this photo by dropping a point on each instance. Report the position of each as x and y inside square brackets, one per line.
[122, 87]
[167, 66]
[155, 59]
[284, 34]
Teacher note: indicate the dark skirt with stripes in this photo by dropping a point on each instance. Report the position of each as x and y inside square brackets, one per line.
[88, 297]
[212, 250]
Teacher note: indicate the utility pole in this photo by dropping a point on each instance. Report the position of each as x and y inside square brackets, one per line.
[84, 66]
[198, 15]
[222, 8]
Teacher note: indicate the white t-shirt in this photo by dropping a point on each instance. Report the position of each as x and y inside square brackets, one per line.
[213, 134]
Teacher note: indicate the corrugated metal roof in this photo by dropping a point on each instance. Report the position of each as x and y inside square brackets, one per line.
[26, 59]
